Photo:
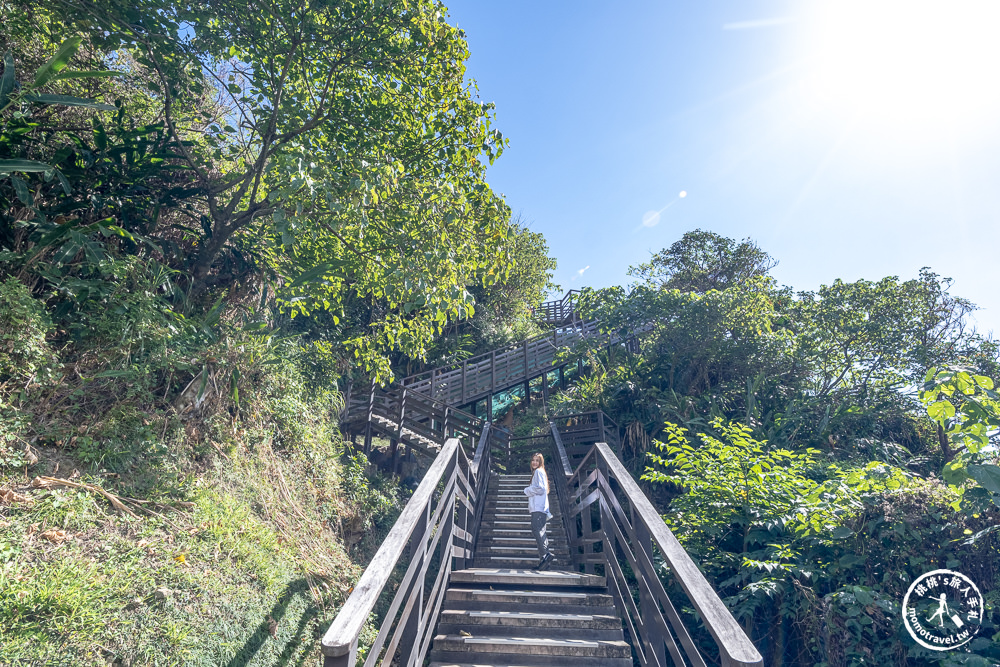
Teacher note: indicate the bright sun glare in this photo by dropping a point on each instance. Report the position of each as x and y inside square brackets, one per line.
[908, 61]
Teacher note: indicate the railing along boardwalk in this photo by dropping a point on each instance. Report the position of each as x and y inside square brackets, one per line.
[438, 527]
[486, 374]
[575, 434]
[423, 409]
[613, 527]
[418, 420]
[560, 311]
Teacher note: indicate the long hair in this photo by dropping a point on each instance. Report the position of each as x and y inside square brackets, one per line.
[541, 466]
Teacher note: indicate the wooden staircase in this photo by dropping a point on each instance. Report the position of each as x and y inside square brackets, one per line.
[501, 612]
[465, 594]
[505, 538]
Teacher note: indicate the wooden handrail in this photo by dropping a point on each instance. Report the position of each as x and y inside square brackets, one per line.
[482, 450]
[632, 531]
[561, 450]
[452, 525]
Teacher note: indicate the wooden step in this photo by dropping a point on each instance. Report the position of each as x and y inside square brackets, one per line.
[550, 625]
[527, 540]
[453, 646]
[530, 618]
[517, 550]
[524, 578]
[464, 597]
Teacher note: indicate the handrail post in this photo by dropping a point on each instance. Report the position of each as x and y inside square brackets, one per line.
[510, 453]
[348, 659]
[562, 490]
[368, 424]
[457, 519]
[561, 451]
[644, 542]
[465, 371]
[402, 413]
[347, 400]
[417, 550]
[493, 372]
[482, 451]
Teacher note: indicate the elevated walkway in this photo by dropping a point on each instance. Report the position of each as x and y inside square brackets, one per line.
[415, 409]
[452, 582]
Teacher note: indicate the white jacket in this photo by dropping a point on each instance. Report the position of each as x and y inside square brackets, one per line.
[538, 494]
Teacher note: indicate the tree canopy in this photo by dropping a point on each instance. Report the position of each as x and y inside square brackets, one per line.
[308, 155]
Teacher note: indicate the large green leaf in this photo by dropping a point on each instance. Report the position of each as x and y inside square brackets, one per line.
[941, 410]
[841, 533]
[987, 475]
[69, 101]
[315, 273]
[21, 188]
[7, 82]
[58, 62]
[8, 166]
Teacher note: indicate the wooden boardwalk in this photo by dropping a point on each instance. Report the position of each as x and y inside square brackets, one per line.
[502, 369]
[464, 593]
[425, 408]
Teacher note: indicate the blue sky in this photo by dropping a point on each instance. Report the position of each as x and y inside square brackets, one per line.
[850, 139]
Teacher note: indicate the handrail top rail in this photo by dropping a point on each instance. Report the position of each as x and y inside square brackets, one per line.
[410, 379]
[568, 295]
[529, 437]
[350, 620]
[561, 450]
[732, 641]
[435, 402]
[482, 446]
[552, 303]
[589, 413]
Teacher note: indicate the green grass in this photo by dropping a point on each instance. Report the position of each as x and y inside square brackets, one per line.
[250, 573]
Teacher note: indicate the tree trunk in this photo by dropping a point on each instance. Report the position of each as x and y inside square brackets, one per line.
[945, 447]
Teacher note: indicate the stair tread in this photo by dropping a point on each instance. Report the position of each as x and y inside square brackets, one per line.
[535, 641]
[527, 593]
[528, 615]
[513, 547]
[517, 539]
[490, 575]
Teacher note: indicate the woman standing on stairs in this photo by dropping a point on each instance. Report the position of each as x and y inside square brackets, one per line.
[538, 505]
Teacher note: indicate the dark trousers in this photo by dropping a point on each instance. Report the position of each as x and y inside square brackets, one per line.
[538, 520]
